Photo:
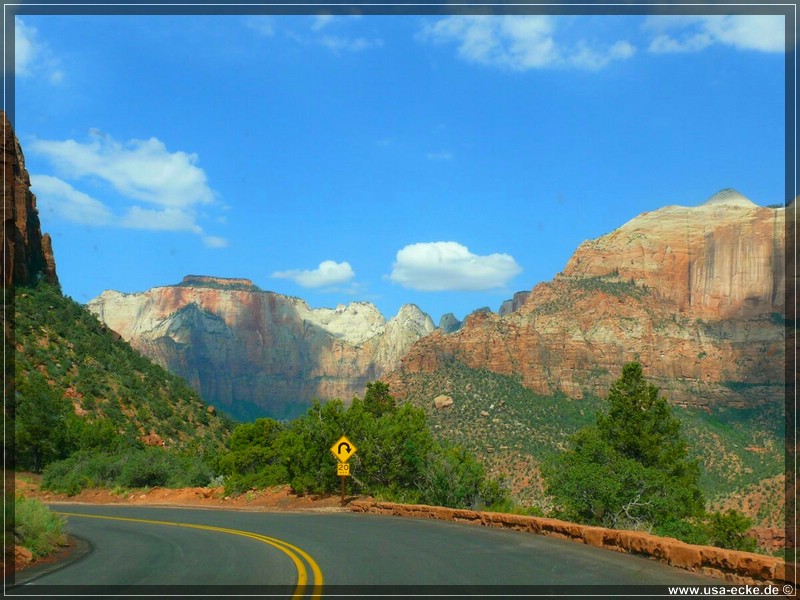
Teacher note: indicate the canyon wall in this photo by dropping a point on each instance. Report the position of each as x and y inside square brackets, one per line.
[256, 353]
[695, 294]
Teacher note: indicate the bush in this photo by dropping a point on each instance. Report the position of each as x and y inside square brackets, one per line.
[397, 458]
[36, 528]
[454, 478]
[691, 532]
[145, 469]
[729, 530]
[127, 468]
[724, 530]
[267, 477]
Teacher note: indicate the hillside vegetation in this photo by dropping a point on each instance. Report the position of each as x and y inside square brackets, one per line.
[79, 388]
[91, 412]
[513, 431]
[397, 458]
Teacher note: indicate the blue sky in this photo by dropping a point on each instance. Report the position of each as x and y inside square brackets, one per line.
[437, 160]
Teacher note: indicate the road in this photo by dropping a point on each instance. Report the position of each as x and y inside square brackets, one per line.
[231, 552]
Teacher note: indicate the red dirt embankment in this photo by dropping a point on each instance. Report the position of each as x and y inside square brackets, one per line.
[278, 498]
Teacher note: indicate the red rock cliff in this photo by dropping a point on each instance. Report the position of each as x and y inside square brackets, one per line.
[694, 294]
[28, 255]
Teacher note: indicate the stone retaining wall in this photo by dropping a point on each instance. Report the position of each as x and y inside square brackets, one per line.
[732, 565]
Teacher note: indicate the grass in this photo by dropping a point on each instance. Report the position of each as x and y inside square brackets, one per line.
[37, 528]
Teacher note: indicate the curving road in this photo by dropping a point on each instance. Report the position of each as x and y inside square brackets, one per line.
[219, 552]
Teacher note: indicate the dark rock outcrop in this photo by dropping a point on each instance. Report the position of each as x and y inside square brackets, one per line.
[28, 255]
[448, 323]
[514, 304]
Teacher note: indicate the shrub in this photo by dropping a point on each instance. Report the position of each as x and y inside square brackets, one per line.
[36, 528]
[729, 530]
[397, 459]
[691, 532]
[452, 477]
[127, 468]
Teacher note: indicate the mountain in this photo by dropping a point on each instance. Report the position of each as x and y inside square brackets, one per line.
[695, 294]
[253, 352]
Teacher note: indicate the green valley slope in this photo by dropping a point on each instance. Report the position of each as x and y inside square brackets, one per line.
[68, 364]
[513, 430]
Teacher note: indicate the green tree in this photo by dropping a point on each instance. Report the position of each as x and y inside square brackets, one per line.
[397, 457]
[304, 448]
[639, 423]
[378, 400]
[40, 419]
[453, 477]
[253, 459]
[630, 469]
[729, 530]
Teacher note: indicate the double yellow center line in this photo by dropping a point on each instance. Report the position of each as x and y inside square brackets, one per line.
[297, 555]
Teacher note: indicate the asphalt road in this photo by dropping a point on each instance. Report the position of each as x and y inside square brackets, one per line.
[229, 552]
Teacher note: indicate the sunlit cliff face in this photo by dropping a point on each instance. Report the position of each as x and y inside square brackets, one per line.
[695, 294]
[242, 347]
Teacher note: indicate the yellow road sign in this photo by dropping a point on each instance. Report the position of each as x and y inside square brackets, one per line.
[343, 449]
[343, 469]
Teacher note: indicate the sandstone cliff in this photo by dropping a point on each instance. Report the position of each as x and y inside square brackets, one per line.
[697, 295]
[27, 254]
[253, 352]
[514, 304]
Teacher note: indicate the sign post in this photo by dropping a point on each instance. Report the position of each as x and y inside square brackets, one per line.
[343, 450]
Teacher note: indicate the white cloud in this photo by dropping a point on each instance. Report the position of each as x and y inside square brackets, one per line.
[340, 43]
[329, 273]
[165, 219]
[25, 48]
[60, 198]
[443, 155]
[320, 22]
[141, 171]
[662, 43]
[588, 58]
[519, 43]
[440, 266]
[263, 24]
[764, 33]
[213, 241]
[33, 57]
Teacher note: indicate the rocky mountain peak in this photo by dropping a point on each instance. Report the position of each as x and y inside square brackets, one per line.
[449, 323]
[411, 312]
[730, 197]
[696, 295]
[412, 321]
[514, 304]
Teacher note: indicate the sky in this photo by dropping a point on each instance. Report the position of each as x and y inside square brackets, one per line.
[444, 161]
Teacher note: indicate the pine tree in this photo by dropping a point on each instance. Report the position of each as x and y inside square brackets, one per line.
[630, 469]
